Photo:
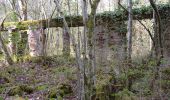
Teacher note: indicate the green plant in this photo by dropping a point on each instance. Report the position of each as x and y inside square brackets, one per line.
[125, 94]
[1, 98]
[20, 89]
[15, 91]
[42, 87]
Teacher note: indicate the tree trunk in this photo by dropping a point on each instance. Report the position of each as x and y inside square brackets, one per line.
[158, 50]
[129, 40]
[77, 54]
[66, 43]
[85, 18]
[159, 36]
[91, 48]
[129, 34]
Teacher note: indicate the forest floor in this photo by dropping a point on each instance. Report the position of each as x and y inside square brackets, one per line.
[56, 78]
[33, 80]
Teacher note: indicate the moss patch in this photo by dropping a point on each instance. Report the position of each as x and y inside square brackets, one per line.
[42, 87]
[19, 90]
[60, 91]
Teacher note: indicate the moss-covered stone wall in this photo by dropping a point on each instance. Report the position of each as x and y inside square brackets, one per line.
[106, 17]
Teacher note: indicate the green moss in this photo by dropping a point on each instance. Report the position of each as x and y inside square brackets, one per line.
[65, 89]
[125, 94]
[166, 74]
[166, 83]
[41, 87]
[26, 88]
[166, 71]
[118, 15]
[26, 58]
[5, 79]
[60, 91]
[1, 98]
[19, 90]
[2, 89]
[135, 74]
[52, 93]
[66, 70]
[14, 70]
[36, 60]
[15, 91]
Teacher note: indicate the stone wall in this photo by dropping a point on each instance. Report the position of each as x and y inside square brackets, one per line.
[109, 47]
[166, 37]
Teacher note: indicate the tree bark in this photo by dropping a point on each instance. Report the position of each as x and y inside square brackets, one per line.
[85, 18]
[129, 41]
[91, 47]
[159, 32]
[66, 43]
[158, 49]
[129, 34]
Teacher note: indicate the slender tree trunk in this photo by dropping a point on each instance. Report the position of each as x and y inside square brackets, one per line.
[91, 47]
[155, 47]
[158, 50]
[43, 35]
[129, 34]
[159, 32]
[75, 47]
[78, 30]
[66, 36]
[129, 40]
[85, 18]
[43, 42]
[23, 9]
[66, 43]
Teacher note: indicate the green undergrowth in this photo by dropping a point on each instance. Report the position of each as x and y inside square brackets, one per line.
[56, 78]
[50, 76]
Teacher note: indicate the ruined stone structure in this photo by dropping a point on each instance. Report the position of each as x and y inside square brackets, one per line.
[110, 31]
[166, 37]
[110, 46]
[35, 42]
